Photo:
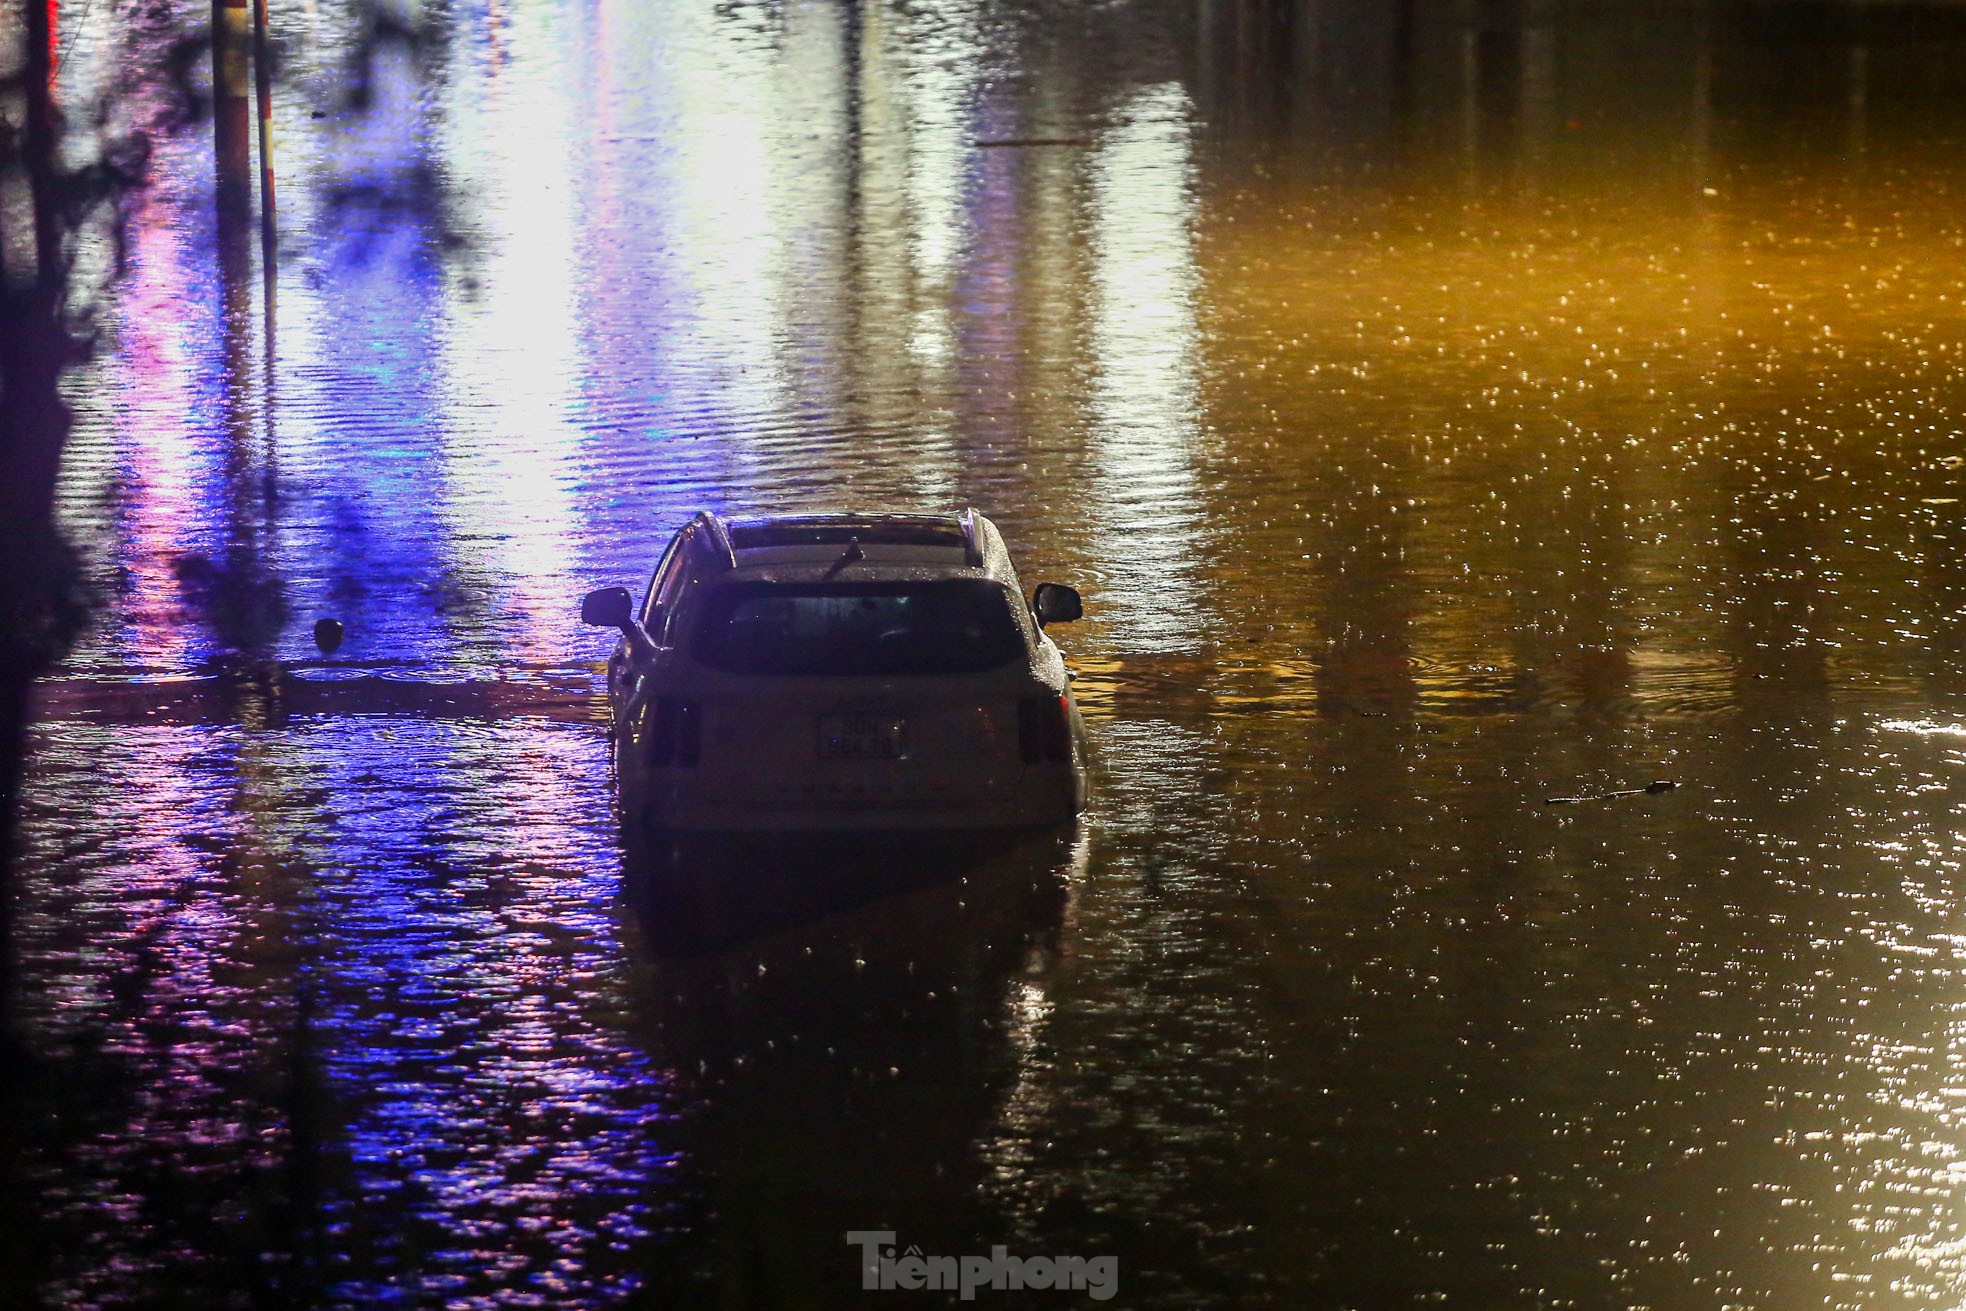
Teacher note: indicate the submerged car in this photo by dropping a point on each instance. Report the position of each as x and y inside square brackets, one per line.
[841, 672]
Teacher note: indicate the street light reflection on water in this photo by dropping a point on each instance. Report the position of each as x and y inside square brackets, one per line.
[1436, 422]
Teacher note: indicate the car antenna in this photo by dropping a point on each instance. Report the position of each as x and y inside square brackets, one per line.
[848, 556]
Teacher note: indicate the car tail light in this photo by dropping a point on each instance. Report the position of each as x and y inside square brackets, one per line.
[675, 732]
[1043, 729]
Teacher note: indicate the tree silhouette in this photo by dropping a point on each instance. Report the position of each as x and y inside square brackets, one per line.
[47, 327]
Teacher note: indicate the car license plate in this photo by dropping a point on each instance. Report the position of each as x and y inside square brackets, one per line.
[860, 737]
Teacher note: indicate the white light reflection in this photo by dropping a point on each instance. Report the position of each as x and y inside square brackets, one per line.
[1032, 1102]
[1923, 727]
[1145, 395]
[710, 97]
[1909, 1177]
[725, 208]
[1897, 1148]
[936, 90]
[510, 349]
[919, 82]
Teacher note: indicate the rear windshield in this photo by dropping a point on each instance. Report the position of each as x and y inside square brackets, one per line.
[950, 626]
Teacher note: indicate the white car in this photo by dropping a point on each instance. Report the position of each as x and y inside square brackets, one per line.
[841, 672]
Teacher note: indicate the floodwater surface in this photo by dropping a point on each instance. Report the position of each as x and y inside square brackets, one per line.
[1444, 409]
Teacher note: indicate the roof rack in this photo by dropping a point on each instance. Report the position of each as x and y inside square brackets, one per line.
[972, 541]
[719, 538]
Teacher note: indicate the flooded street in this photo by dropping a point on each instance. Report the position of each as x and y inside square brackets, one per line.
[1443, 407]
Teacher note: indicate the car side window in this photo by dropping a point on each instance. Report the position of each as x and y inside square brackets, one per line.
[663, 587]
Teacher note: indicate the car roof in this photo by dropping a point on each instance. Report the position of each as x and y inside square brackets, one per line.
[802, 547]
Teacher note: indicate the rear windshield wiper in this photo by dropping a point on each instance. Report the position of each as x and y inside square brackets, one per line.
[847, 557]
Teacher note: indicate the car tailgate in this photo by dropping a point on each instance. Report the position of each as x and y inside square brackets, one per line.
[823, 749]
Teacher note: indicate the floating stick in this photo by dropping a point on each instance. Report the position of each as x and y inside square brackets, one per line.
[1657, 785]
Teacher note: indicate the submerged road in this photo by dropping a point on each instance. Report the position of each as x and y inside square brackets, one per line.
[1439, 416]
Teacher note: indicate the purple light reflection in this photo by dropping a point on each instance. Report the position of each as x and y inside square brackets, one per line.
[366, 975]
[499, 1122]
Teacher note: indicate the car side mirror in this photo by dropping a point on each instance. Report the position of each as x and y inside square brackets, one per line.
[1055, 603]
[608, 607]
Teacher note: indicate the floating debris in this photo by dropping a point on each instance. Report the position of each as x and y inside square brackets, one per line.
[1656, 785]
